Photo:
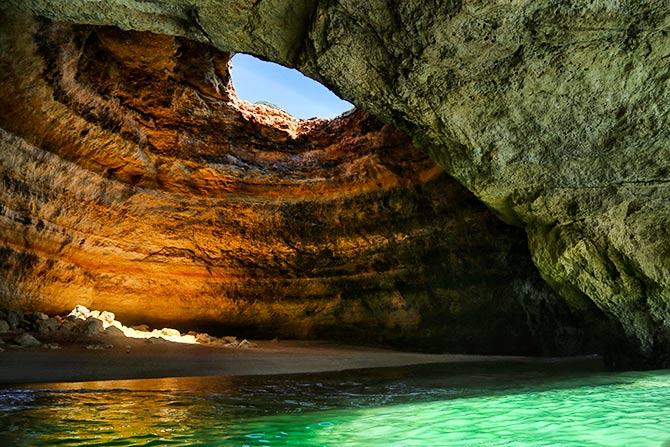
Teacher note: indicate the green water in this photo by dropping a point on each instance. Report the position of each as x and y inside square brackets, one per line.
[502, 404]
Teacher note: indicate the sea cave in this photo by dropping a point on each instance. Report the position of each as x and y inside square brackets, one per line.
[334, 223]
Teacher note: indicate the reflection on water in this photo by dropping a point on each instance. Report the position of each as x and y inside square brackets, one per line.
[511, 404]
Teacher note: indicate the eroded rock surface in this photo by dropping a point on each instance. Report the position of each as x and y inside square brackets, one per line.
[134, 180]
[554, 113]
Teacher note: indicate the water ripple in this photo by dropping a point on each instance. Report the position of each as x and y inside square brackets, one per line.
[471, 405]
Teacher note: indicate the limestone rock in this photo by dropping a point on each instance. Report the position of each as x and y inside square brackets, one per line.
[47, 326]
[66, 327]
[205, 338]
[27, 341]
[92, 326]
[80, 312]
[169, 332]
[245, 344]
[14, 319]
[4, 326]
[107, 317]
[114, 331]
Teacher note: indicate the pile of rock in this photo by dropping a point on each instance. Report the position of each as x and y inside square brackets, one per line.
[105, 322]
[227, 341]
[27, 329]
[16, 329]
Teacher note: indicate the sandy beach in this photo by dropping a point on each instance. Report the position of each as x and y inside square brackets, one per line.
[156, 360]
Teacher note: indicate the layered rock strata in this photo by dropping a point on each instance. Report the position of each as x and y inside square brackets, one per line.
[134, 180]
[554, 113]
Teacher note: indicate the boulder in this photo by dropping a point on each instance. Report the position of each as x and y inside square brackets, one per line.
[68, 326]
[245, 344]
[107, 317]
[47, 326]
[15, 319]
[27, 341]
[80, 312]
[204, 338]
[4, 326]
[169, 332]
[92, 326]
[113, 331]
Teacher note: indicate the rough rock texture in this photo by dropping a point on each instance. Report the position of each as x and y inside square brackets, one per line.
[552, 112]
[133, 179]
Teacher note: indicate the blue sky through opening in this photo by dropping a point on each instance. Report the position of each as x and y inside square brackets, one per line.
[256, 80]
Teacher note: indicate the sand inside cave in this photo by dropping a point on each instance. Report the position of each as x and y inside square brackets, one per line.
[75, 363]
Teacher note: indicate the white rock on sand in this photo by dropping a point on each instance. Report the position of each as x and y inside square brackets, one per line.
[107, 317]
[245, 344]
[107, 320]
[91, 323]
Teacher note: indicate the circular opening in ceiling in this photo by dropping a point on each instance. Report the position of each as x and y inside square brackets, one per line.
[273, 85]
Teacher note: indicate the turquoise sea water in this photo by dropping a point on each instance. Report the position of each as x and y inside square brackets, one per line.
[501, 404]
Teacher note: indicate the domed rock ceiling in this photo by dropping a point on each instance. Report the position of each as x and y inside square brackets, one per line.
[554, 114]
[135, 180]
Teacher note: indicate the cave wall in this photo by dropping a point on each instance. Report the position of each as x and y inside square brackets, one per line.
[554, 113]
[134, 180]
